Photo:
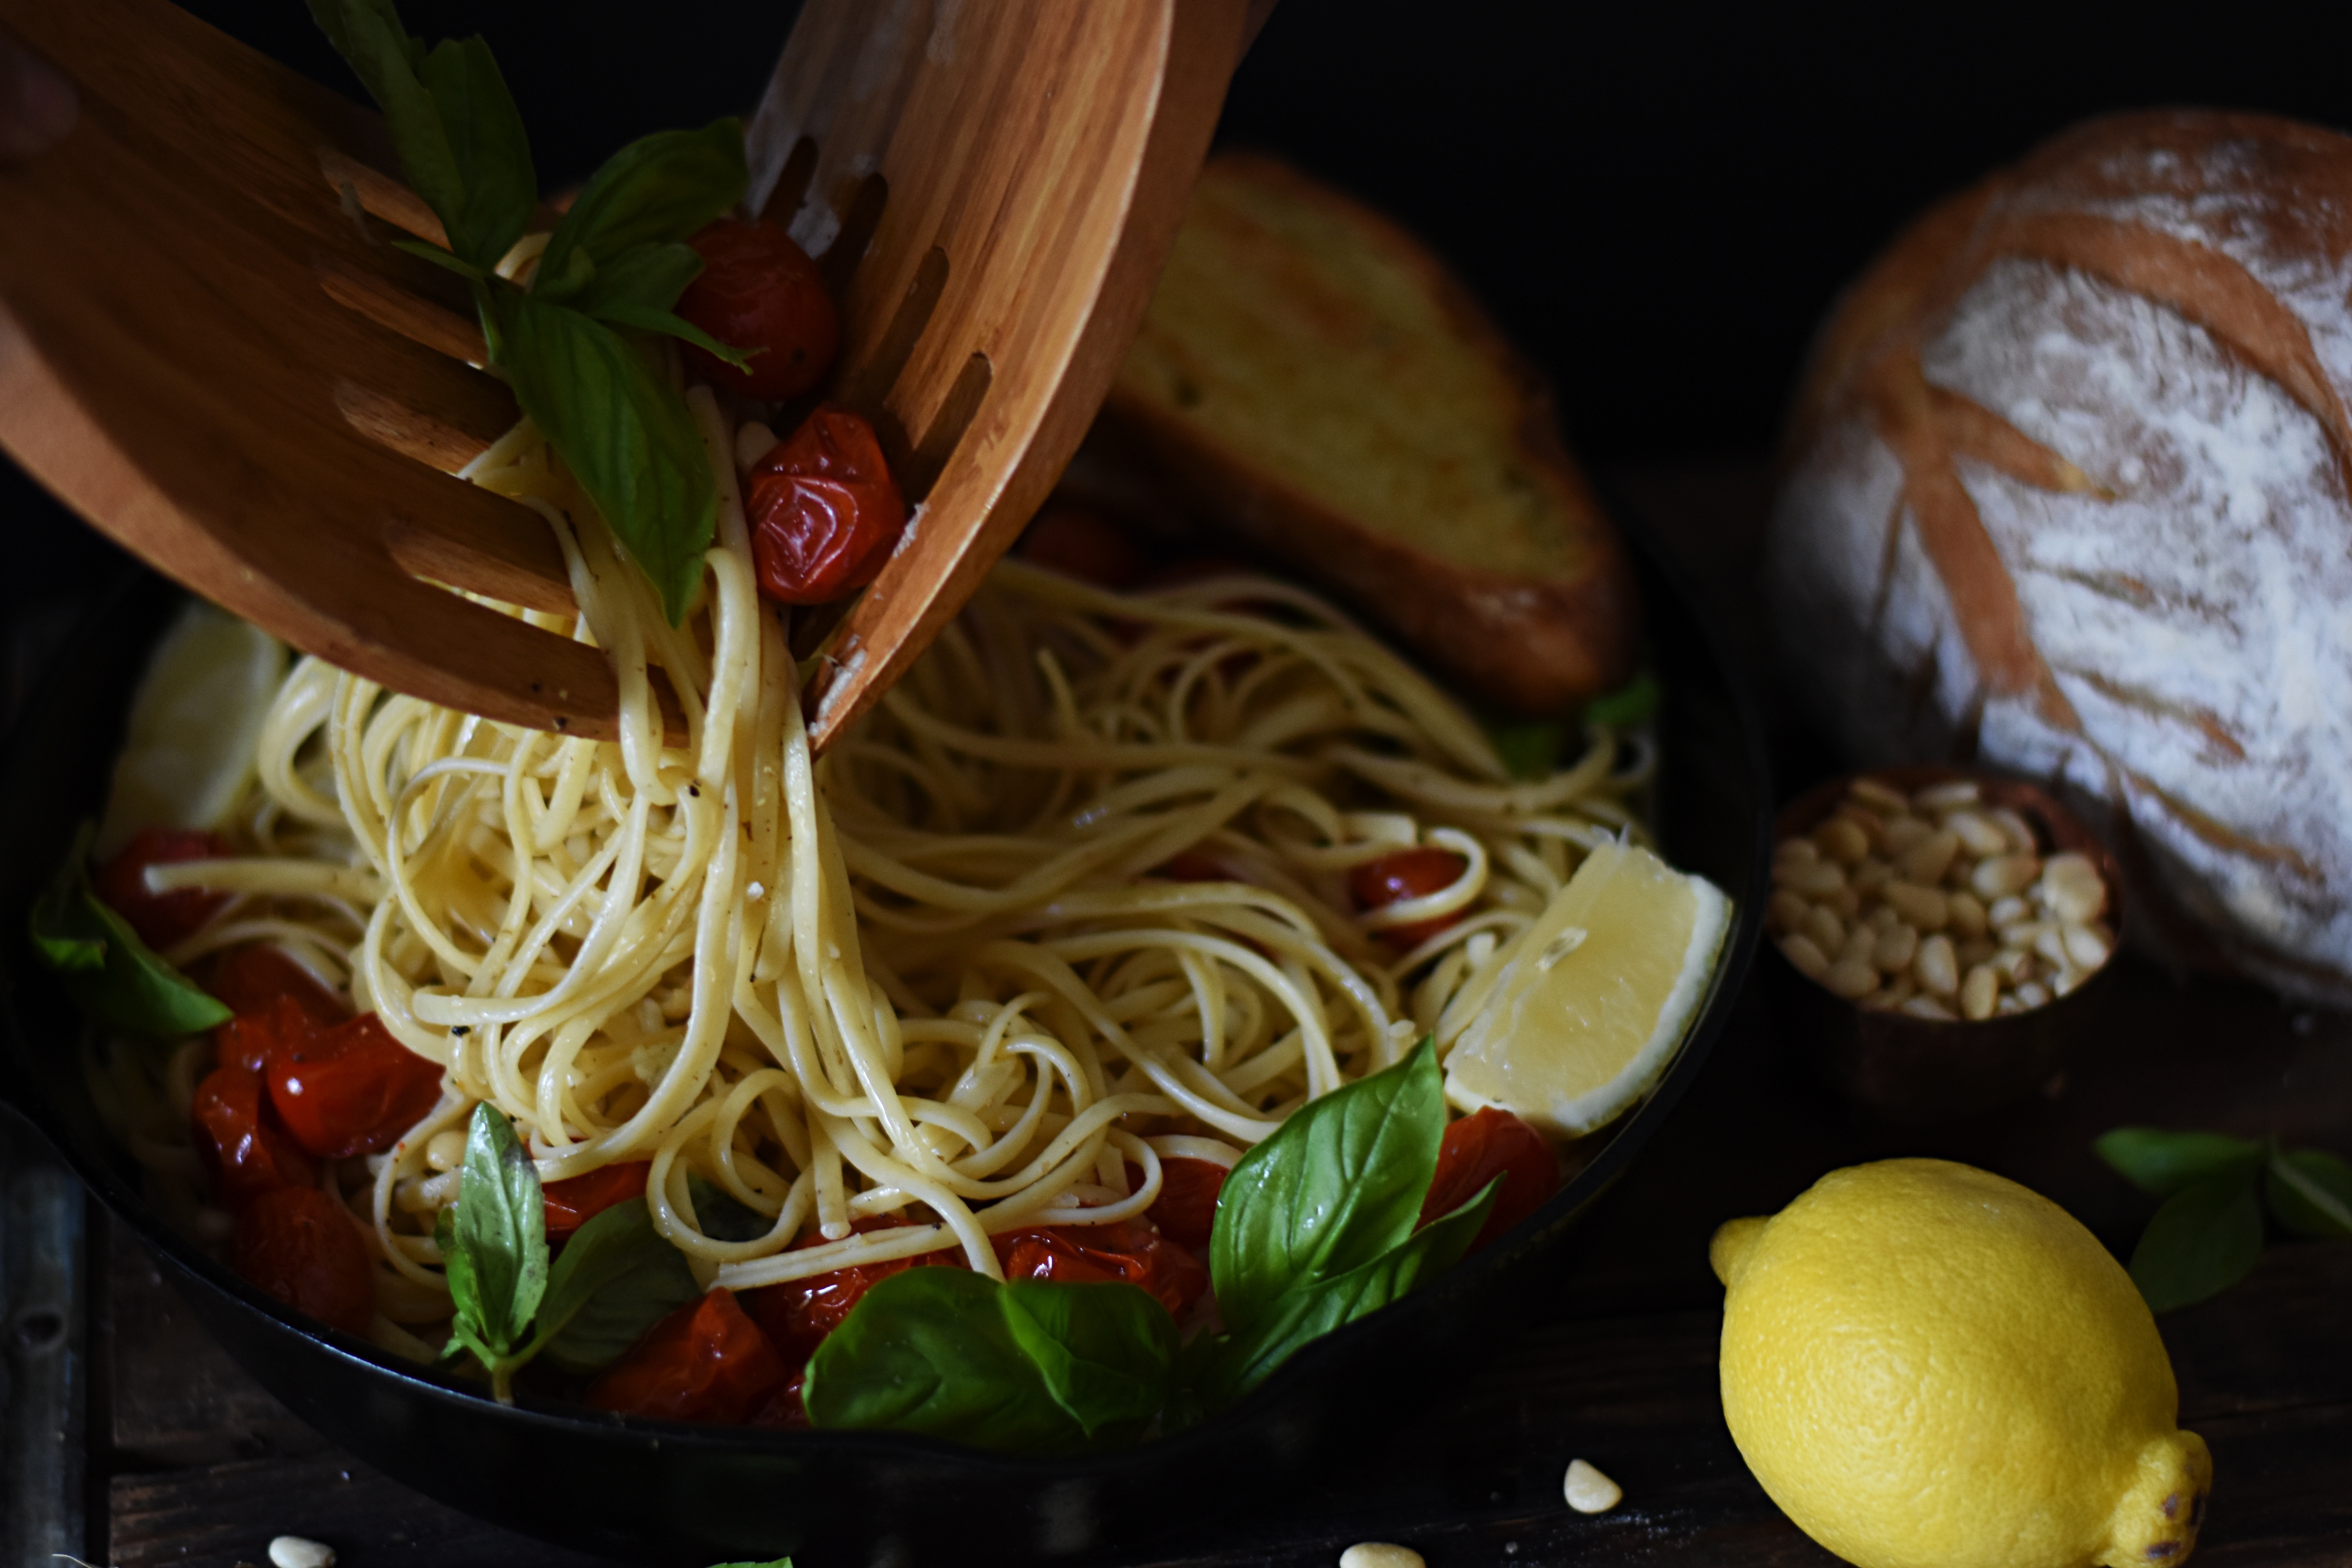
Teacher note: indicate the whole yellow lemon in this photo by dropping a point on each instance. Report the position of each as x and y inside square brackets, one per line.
[1928, 1366]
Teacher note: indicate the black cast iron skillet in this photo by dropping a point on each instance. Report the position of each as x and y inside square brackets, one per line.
[659, 1492]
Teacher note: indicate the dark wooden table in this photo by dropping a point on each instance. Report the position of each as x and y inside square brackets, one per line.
[186, 1462]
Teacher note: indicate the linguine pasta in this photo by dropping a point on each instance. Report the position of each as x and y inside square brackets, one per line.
[1071, 898]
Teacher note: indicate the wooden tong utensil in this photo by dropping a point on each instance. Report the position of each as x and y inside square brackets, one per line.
[208, 349]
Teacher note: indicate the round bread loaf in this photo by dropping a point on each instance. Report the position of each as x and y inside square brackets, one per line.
[2068, 491]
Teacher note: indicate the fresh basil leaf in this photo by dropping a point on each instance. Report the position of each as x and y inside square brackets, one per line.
[442, 259]
[2310, 1192]
[615, 1277]
[467, 1331]
[1530, 749]
[626, 437]
[368, 34]
[2160, 1162]
[111, 976]
[499, 1232]
[2201, 1242]
[721, 1217]
[637, 288]
[1629, 705]
[938, 1352]
[497, 186]
[656, 190]
[1241, 1360]
[670, 324]
[1339, 1185]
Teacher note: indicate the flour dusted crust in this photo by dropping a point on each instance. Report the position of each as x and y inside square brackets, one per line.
[2067, 493]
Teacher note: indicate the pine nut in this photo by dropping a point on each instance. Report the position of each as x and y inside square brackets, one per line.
[1589, 1491]
[1977, 833]
[294, 1551]
[2049, 942]
[1928, 1007]
[1980, 992]
[1839, 840]
[1881, 917]
[1927, 861]
[1806, 954]
[1925, 907]
[2016, 829]
[1851, 978]
[1967, 915]
[2022, 933]
[2001, 876]
[1872, 825]
[2072, 888]
[2009, 1003]
[1897, 990]
[2013, 963]
[1870, 875]
[2065, 981]
[2032, 994]
[1904, 832]
[2084, 949]
[2008, 911]
[1975, 951]
[1877, 797]
[1380, 1554]
[1943, 798]
[1784, 912]
[1813, 879]
[1936, 966]
[1897, 945]
[1790, 850]
[1845, 901]
[1827, 931]
[447, 1151]
[1860, 943]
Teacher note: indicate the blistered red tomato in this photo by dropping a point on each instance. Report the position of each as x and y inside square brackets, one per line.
[159, 919]
[249, 979]
[708, 1361]
[1403, 874]
[1186, 1209]
[799, 1313]
[243, 1148]
[1478, 1148]
[350, 1090]
[784, 1407]
[301, 1246]
[576, 1200]
[825, 512]
[759, 293]
[250, 1039]
[1132, 1250]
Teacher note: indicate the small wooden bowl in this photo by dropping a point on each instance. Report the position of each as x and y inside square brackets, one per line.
[1914, 1070]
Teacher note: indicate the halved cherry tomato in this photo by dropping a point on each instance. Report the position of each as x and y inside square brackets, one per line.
[1133, 1250]
[1186, 1209]
[784, 1407]
[159, 919]
[1487, 1143]
[350, 1090]
[759, 293]
[799, 1313]
[1079, 542]
[1404, 874]
[705, 1362]
[248, 979]
[250, 1039]
[301, 1246]
[576, 1200]
[240, 1141]
[825, 512]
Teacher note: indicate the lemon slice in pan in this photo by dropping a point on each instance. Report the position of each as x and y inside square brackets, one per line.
[1588, 1008]
[193, 725]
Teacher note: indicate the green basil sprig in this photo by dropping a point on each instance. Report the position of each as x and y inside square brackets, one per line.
[1031, 1366]
[2209, 1231]
[616, 260]
[1316, 1227]
[1630, 704]
[111, 976]
[615, 1278]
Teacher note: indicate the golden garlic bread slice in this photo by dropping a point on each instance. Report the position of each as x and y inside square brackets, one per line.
[1314, 380]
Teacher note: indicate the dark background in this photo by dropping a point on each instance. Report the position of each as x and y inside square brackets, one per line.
[1656, 202]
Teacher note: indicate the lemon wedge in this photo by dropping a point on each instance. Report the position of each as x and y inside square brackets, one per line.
[1595, 996]
[194, 726]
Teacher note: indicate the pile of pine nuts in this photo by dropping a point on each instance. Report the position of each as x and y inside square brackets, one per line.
[1938, 905]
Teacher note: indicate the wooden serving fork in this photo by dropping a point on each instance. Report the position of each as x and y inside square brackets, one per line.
[209, 350]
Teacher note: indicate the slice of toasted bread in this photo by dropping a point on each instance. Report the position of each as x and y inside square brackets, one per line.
[1316, 381]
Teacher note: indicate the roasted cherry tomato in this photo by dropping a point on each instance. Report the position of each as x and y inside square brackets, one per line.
[159, 919]
[759, 293]
[1191, 866]
[784, 1407]
[248, 979]
[1186, 1209]
[576, 1200]
[1132, 1250]
[244, 1148]
[1404, 874]
[250, 1039]
[350, 1090]
[799, 1313]
[825, 512]
[705, 1362]
[1478, 1148]
[301, 1246]
[1079, 542]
